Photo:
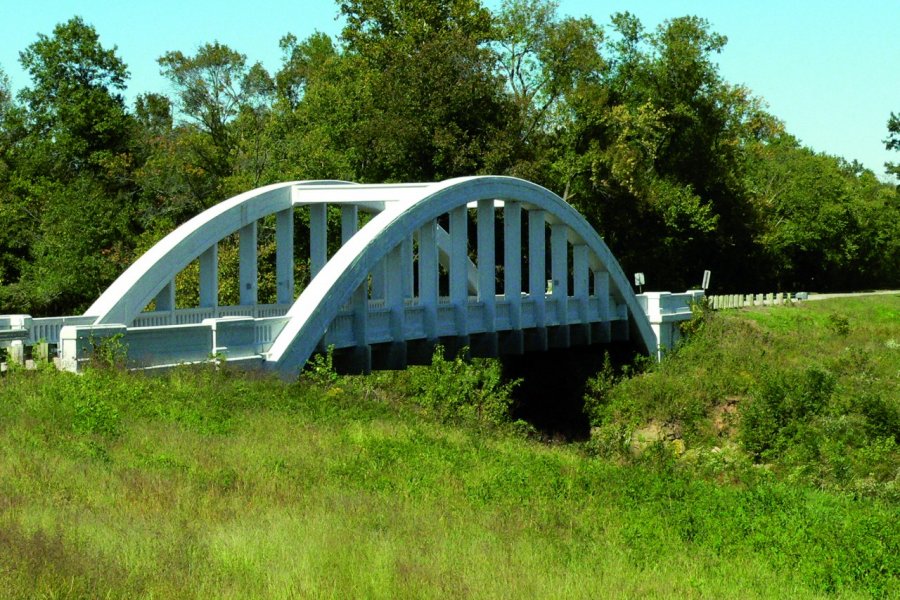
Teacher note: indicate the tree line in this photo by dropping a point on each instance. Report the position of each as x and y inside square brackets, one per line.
[678, 169]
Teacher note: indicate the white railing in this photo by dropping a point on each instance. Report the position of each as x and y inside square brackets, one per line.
[46, 329]
[188, 316]
[726, 301]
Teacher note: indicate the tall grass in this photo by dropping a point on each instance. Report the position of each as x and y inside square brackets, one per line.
[202, 484]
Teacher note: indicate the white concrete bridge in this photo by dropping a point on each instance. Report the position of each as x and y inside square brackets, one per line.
[410, 277]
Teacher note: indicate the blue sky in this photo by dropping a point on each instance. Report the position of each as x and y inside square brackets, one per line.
[830, 69]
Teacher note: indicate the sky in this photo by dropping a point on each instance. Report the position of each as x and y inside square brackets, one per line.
[829, 69]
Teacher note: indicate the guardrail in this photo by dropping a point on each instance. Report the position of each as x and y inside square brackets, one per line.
[726, 301]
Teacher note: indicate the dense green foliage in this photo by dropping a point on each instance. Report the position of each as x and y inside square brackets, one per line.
[202, 483]
[810, 393]
[678, 169]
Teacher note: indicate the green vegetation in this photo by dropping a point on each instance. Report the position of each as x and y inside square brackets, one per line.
[635, 128]
[809, 393]
[202, 483]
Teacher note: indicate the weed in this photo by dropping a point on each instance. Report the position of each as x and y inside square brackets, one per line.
[319, 369]
[459, 389]
[839, 324]
[109, 352]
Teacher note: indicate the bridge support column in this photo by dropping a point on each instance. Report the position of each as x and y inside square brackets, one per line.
[209, 277]
[601, 330]
[512, 341]
[349, 222]
[558, 337]
[536, 338]
[393, 354]
[247, 270]
[459, 269]
[428, 278]
[165, 299]
[318, 238]
[406, 264]
[580, 334]
[360, 356]
[284, 255]
[485, 344]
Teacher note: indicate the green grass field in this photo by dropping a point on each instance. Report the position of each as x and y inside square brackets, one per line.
[202, 484]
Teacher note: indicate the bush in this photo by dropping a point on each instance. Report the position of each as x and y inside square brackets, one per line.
[458, 389]
[781, 409]
[597, 392]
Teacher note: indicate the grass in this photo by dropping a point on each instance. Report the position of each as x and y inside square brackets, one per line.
[214, 484]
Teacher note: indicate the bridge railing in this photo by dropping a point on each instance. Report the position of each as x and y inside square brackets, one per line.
[726, 301]
[234, 338]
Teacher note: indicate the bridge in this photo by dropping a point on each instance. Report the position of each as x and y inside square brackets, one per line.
[496, 264]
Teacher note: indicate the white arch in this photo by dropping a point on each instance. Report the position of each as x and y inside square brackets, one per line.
[127, 296]
[336, 282]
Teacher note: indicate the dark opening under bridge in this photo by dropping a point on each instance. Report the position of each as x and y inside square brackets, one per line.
[409, 278]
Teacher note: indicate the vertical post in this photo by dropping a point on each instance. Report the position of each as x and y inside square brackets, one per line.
[559, 266]
[428, 277]
[247, 271]
[459, 259]
[601, 290]
[394, 292]
[512, 261]
[209, 277]
[581, 275]
[378, 280]
[361, 328]
[349, 222]
[406, 266]
[537, 269]
[318, 238]
[581, 279]
[284, 255]
[487, 262]
[602, 331]
[165, 299]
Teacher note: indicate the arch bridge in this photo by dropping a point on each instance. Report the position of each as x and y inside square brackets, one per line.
[497, 264]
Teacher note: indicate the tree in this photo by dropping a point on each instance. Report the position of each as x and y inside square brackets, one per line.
[73, 164]
[224, 98]
[893, 143]
[412, 96]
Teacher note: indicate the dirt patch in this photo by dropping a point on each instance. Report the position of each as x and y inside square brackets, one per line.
[724, 417]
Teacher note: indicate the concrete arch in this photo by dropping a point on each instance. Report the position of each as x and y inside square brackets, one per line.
[126, 297]
[317, 306]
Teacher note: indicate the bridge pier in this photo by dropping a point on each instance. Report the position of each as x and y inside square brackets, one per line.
[601, 333]
[558, 336]
[454, 345]
[484, 345]
[356, 360]
[535, 339]
[580, 334]
[511, 342]
[420, 352]
[390, 356]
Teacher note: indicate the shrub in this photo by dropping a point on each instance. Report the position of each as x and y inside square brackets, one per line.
[782, 407]
[839, 324]
[597, 392]
[458, 389]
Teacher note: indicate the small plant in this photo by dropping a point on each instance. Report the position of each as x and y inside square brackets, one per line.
[109, 352]
[319, 369]
[701, 311]
[839, 324]
[597, 392]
